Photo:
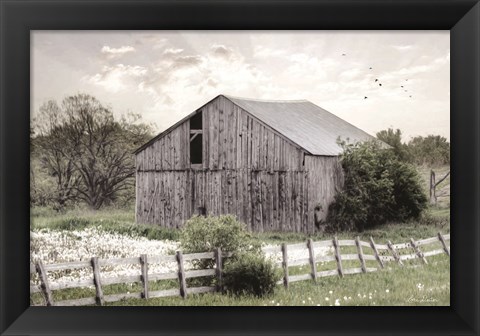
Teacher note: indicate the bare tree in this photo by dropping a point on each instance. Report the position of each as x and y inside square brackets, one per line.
[87, 151]
[55, 155]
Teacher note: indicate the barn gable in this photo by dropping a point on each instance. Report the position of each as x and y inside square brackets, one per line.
[230, 138]
[302, 123]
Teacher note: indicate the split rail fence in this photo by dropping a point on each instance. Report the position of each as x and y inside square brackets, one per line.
[181, 275]
[338, 257]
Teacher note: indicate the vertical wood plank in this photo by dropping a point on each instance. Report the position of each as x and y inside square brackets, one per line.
[44, 283]
[221, 136]
[313, 264]
[375, 251]
[97, 281]
[394, 252]
[338, 257]
[360, 254]
[445, 247]
[205, 142]
[285, 265]
[181, 275]
[144, 276]
[214, 139]
[238, 138]
[219, 269]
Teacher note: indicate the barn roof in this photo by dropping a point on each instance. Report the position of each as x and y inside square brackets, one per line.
[308, 125]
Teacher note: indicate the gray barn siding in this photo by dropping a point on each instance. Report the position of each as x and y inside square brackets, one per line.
[325, 177]
[248, 170]
[169, 198]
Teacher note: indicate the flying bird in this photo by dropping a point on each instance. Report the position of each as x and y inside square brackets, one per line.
[370, 68]
[344, 54]
[401, 86]
[379, 84]
[365, 97]
[376, 80]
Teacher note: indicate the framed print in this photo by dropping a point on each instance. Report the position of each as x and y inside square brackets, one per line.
[192, 166]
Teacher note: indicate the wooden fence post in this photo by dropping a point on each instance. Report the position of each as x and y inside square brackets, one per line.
[360, 254]
[285, 265]
[218, 268]
[418, 251]
[144, 276]
[375, 251]
[313, 264]
[394, 253]
[181, 275]
[44, 283]
[338, 257]
[97, 281]
[445, 247]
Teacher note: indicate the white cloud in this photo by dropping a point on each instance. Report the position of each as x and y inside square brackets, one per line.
[172, 52]
[402, 47]
[266, 52]
[117, 78]
[117, 51]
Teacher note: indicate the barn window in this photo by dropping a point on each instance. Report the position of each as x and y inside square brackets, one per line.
[196, 140]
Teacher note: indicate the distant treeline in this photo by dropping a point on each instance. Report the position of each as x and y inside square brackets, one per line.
[432, 150]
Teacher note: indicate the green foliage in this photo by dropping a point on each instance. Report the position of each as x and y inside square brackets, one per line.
[85, 152]
[250, 274]
[433, 150]
[378, 188]
[394, 139]
[205, 234]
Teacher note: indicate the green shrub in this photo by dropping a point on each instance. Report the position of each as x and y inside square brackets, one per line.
[205, 234]
[378, 188]
[250, 274]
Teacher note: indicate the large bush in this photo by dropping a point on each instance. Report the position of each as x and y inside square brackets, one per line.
[205, 234]
[378, 188]
[250, 274]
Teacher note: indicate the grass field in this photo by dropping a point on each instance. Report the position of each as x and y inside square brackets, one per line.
[413, 284]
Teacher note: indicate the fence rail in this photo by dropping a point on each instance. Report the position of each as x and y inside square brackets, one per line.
[360, 256]
[144, 277]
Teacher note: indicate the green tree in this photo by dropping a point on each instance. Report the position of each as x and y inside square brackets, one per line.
[86, 150]
[432, 150]
[378, 187]
[394, 139]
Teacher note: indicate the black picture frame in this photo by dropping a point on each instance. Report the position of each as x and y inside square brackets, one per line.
[18, 17]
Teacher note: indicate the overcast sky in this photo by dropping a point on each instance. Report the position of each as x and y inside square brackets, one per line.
[165, 75]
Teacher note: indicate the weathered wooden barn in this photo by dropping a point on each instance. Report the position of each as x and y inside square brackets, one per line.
[273, 164]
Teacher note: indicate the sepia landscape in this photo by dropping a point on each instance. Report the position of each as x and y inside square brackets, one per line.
[240, 169]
